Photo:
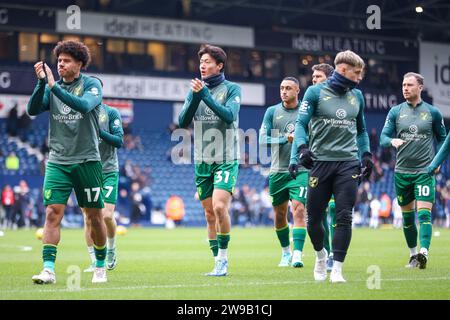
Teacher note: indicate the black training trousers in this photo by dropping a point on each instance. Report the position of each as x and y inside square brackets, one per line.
[325, 179]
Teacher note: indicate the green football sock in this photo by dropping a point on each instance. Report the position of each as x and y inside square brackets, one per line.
[49, 256]
[299, 236]
[222, 240]
[213, 245]
[100, 255]
[283, 236]
[426, 228]
[332, 213]
[410, 228]
[326, 237]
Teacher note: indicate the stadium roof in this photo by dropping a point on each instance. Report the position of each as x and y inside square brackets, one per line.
[398, 18]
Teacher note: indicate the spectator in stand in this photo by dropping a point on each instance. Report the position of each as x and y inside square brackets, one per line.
[31, 213]
[12, 121]
[8, 205]
[24, 124]
[398, 217]
[239, 206]
[130, 142]
[374, 141]
[137, 208]
[364, 197]
[123, 206]
[377, 171]
[21, 200]
[266, 207]
[387, 158]
[256, 207]
[127, 170]
[147, 202]
[375, 206]
[385, 210]
[12, 162]
[247, 194]
[175, 209]
[438, 211]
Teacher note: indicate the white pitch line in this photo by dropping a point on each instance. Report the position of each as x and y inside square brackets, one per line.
[21, 248]
[174, 286]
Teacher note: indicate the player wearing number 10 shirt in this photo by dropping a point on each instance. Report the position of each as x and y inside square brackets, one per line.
[414, 123]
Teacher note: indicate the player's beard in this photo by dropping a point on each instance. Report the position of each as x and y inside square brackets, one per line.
[411, 97]
[62, 73]
[288, 101]
[67, 74]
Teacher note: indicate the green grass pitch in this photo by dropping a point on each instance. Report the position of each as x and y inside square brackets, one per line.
[170, 264]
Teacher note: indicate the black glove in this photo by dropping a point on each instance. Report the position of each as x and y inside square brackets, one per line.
[306, 156]
[293, 169]
[367, 165]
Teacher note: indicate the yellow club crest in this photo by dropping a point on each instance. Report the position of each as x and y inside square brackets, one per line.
[48, 194]
[352, 100]
[77, 91]
[423, 116]
[313, 182]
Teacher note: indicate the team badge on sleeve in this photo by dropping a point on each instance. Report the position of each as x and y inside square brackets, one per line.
[304, 107]
[94, 91]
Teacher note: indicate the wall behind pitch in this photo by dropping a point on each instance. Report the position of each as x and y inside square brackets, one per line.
[251, 117]
[152, 115]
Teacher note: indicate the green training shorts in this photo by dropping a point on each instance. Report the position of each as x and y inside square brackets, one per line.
[85, 178]
[419, 186]
[110, 186]
[283, 188]
[215, 176]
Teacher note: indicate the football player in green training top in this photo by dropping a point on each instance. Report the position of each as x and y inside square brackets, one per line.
[74, 161]
[321, 72]
[214, 104]
[332, 113]
[111, 134]
[277, 131]
[414, 124]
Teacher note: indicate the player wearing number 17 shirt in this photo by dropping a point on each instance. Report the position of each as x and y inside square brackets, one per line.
[74, 163]
[277, 131]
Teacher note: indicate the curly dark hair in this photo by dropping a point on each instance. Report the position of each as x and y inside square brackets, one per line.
[216, 53]
[78, 50]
